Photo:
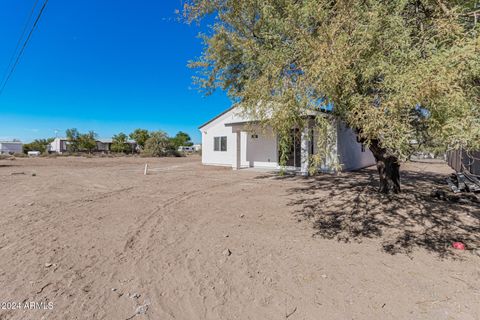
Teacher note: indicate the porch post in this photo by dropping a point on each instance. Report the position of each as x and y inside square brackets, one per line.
[305, 151]
[237, 150]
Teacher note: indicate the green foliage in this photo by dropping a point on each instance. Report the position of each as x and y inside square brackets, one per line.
[380, 62]
[157, 144]
[181, 139]
[81, 141]
[73, 139]
[87, 141]
[160, 145]
[140, 136]
[37, 145]
[120, 143]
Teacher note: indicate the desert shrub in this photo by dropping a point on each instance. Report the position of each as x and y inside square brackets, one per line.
[37, 145]
[19, 155]
[158, 145]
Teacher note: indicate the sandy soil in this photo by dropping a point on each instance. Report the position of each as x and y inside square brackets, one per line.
[99, 240]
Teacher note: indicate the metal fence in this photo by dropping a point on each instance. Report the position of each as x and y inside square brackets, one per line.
[461, 160]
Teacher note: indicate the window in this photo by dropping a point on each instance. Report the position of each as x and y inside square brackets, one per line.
[223, 144]
[363, 147]
[220, 144]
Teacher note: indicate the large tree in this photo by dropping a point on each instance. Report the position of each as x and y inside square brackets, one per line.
[395, 70]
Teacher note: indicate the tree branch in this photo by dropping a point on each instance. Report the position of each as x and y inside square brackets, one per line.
[443, 7]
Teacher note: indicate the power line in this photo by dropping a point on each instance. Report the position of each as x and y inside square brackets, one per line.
[24, 46]
[22, 35]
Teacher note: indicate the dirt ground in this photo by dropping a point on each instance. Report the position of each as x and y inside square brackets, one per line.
[97, 239]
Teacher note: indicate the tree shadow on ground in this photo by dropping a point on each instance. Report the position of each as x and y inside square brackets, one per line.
[348, 208]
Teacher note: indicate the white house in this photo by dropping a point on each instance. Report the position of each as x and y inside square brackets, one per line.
[230, 139]
[58, 145]
[11, 147]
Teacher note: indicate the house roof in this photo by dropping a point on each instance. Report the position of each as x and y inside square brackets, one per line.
[327, 109]
[218, 116]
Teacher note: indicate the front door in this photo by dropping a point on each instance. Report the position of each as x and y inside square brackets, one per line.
[294, 153]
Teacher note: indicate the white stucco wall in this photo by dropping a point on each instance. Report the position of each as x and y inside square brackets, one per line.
[350, 151]
[58, 145]
[217, 128]
[261, 150]
[255, 152]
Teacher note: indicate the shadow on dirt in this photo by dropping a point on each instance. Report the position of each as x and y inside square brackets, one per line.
[349, 208]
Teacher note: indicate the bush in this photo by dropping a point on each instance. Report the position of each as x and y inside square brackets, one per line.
[157, 145]
[19, 155]
[37, 145]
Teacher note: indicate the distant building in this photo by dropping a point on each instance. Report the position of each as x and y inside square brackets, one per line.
[33, 153]
[192, 148]
[104, 145]
[11, 147]
[60, 145]
[186, 149]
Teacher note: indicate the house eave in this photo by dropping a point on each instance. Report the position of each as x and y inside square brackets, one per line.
[215, 118]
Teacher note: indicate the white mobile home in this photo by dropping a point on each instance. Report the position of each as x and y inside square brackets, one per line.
[11, 147]
[231, 139]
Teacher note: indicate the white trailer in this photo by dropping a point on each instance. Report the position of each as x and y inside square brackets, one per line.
[11, 147]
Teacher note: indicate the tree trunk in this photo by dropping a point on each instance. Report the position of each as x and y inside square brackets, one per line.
[388, 167]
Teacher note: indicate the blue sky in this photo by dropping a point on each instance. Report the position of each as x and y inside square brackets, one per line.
[109, 66]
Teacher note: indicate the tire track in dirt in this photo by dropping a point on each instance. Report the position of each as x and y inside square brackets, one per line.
[137, 236]
[188, 277]
[145, 239]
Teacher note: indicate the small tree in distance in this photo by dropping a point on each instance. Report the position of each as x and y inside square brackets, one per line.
[87, 141]
[120, 143]
[37, 145]
[181, 139]
[157, 144]
[140, 136]
[73, 139]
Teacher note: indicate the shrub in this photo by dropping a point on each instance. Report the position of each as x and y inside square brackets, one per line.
[19, 155]
[157, 145]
